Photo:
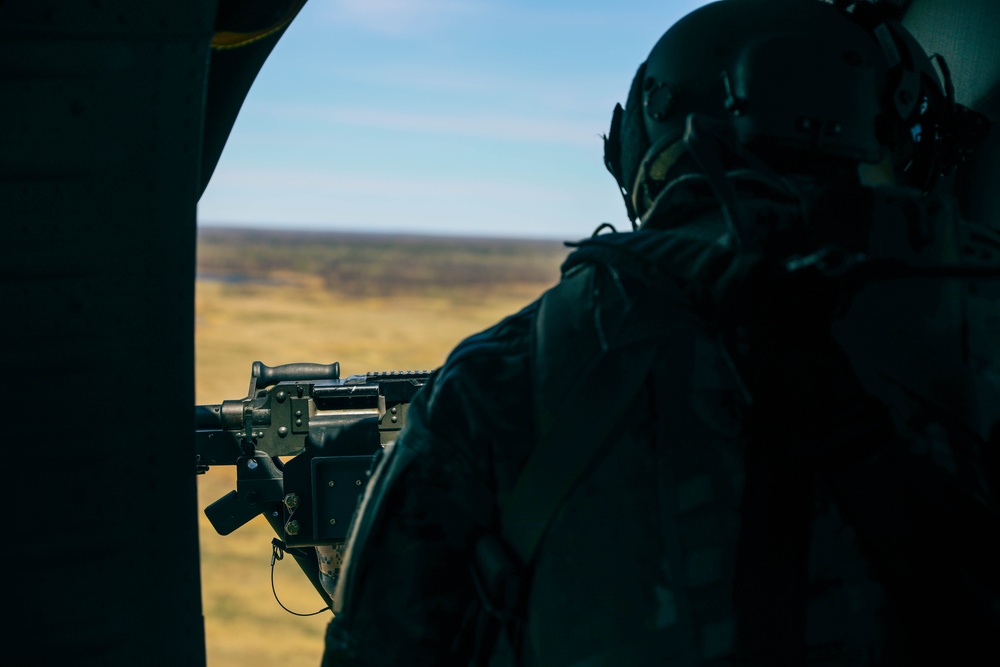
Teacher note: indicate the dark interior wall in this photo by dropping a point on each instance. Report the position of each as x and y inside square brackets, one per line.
[101, 107]
[967, 34]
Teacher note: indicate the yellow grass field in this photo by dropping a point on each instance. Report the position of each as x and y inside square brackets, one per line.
[325, 298]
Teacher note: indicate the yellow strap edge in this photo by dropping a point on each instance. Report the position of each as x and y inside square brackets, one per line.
[233, 40]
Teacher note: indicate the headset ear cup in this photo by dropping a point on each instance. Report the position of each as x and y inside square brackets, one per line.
[613, 158]
[924, 140]
[927, 135]
[626, 143]
[613, 146]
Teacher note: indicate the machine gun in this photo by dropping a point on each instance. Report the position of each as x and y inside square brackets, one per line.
[303, 442]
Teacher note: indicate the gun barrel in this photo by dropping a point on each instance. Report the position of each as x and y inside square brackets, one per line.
[208, 417]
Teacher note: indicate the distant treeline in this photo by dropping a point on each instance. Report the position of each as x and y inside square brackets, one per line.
[372, 264]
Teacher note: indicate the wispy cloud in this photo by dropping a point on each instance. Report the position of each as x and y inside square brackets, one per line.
[318, 199]
[402, 18]
[480, 126]
[399, 17]
[615, 20]
[259, 179]
[558, 91]
[395, 17]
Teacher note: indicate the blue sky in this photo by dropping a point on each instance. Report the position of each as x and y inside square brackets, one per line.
[461, 117]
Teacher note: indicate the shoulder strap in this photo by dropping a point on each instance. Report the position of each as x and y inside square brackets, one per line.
[580, 414]
[564, 453]
[576, 410]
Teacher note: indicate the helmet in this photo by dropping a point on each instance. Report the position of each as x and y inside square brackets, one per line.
[801, 86]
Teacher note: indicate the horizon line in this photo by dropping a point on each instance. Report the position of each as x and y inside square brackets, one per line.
[295, 229]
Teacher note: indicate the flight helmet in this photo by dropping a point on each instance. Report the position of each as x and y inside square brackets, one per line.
[801, 86]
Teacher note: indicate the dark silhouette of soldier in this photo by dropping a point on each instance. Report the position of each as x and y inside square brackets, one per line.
[754, 430]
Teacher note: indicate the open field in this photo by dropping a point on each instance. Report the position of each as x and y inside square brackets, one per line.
[369, 302]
